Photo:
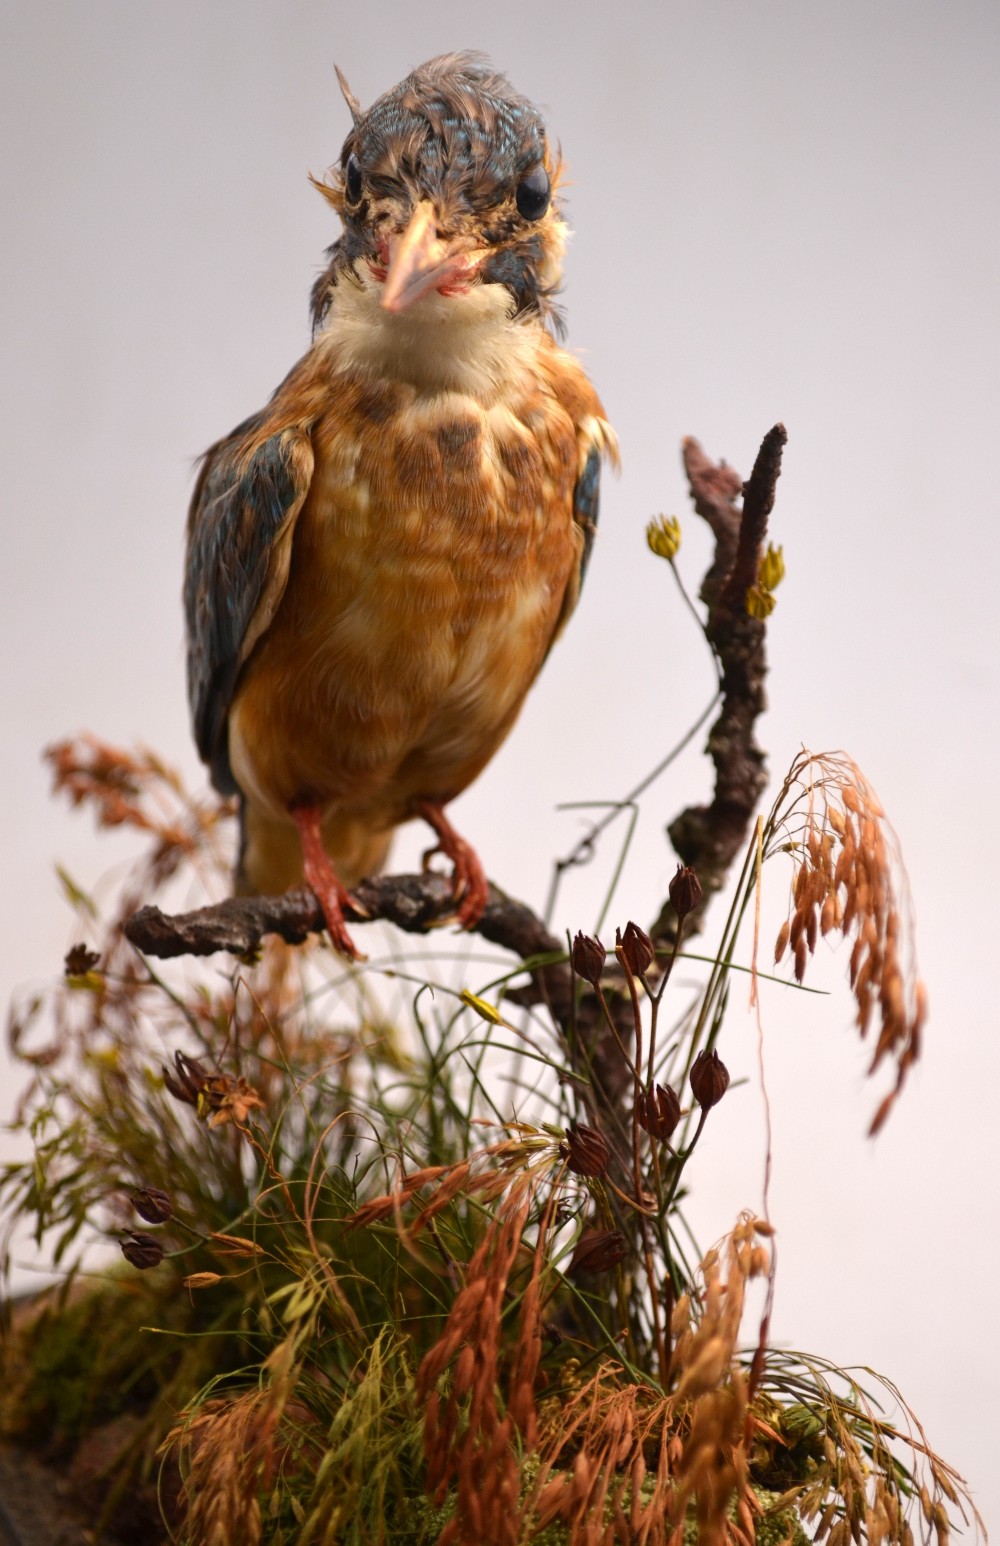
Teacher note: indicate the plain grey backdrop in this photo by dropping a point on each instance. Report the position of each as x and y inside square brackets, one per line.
[781, 210]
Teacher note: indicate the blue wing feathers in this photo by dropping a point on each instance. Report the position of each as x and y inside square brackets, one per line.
[586, 504]
[237, 512]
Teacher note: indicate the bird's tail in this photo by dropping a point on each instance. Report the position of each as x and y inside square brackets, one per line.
[270, 857]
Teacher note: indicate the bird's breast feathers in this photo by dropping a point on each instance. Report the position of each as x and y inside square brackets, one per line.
[431, 561]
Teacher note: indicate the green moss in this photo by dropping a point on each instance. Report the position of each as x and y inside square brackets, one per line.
[70, 1365]
[423, 1523]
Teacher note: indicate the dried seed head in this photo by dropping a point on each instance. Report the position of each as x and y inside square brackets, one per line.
[191, 1078]
[202, 1280]
[709, 1079]
[684, 890]
[658, 1110]
[588, 958]
[79, 961]
[218, 1098]
[760, 1261]
[597, 1250]
[851, 881]
[142, 1251]
[680, 1318]
[585, 1150]
[152, 1204]
[801, 957]
[635, 948]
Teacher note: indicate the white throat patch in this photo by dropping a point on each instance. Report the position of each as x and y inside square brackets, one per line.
[444, 343]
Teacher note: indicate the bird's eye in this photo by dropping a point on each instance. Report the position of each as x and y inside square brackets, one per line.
[352, 179]
[533, 193]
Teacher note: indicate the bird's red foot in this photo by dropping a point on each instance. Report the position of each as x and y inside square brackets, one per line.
[321, 876]
[471, 888]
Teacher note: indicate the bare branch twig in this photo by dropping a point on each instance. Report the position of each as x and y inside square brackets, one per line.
[414, 903]
[708, 837]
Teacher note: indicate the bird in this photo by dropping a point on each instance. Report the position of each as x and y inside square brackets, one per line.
[379, 560]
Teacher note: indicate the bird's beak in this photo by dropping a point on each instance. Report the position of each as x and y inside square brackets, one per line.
[420, 261]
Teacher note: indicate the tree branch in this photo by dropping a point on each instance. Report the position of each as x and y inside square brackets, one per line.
[708, 837]
[414, 903]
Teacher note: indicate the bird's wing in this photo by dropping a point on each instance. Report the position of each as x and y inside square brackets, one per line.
[597, 441]
[250, 491]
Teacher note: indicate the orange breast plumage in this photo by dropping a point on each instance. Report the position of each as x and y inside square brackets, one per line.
[429, 567]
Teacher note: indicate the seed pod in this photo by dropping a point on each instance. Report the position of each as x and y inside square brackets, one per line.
[152, 1204]
[585, 1150]
[597, 1250]
[465, 1368]
[636, 949]
[684, 890]
[709, 1079]
[191, 1078]
[658, 1111]
[142, 1251]
[202, 1280]
[588, 958]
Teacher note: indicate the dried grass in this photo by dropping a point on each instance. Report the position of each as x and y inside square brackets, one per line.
[228, 1450]
[469, 1438]
[624, 1461]
[850, 880]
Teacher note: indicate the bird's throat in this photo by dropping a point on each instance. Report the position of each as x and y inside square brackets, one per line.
[460, 342]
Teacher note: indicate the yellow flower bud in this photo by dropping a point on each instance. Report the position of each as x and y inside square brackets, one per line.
[772, 568]
[760, 602]
[664, 536]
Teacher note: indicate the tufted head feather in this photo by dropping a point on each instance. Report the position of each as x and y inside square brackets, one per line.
[348, 95]
[456, 135]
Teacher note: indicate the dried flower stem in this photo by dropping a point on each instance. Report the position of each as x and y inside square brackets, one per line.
[647, 1249]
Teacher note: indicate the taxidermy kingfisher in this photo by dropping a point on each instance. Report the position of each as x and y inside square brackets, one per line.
[379, 561]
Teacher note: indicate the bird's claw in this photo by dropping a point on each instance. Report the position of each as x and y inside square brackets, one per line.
[469, 885]
[472, 888]
[333, 900]
[321, 876]
[339, 937]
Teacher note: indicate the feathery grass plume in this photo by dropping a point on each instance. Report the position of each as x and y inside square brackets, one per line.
[706, 1336]
[859, 1475]
[626, 1460]
[237, 1455]
[713, 1469]
[469, 1431]
[485, 1174]
[137, 789]
[468, 1437]
[710, 1400]
[849, 879]
[370, 1453]
[227, 1446]
[232, 1448]
[591, 1459]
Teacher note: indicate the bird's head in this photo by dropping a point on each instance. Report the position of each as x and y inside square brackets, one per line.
[446, 184]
